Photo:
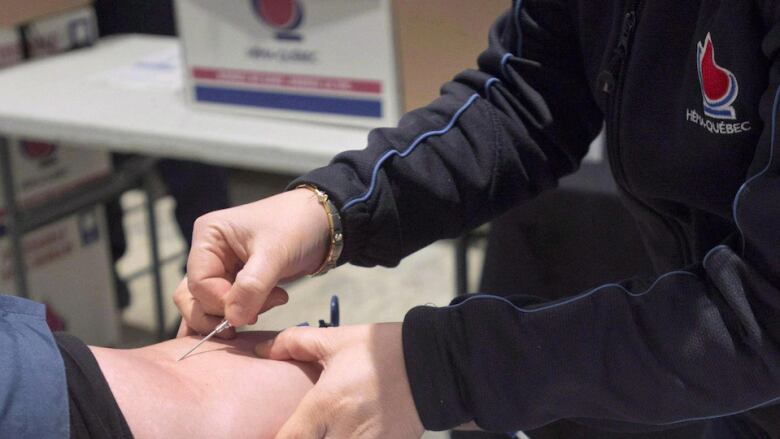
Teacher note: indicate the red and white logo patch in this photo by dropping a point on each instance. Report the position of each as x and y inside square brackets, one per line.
[719, 87]
[719, 90]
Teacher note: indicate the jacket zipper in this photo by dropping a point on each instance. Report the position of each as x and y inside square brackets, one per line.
[610, 82]
[608, 78]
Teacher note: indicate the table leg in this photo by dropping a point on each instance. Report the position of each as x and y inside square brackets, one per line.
[12, 223]
[148, 184]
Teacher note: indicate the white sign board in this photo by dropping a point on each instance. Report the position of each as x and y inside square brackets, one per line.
[331, 61]
[43, 170]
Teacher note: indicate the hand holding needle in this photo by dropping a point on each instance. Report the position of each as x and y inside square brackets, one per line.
[221, 327]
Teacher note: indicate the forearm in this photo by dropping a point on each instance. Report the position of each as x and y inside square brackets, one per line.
[684, 348]
[221, 391]
[497, 136]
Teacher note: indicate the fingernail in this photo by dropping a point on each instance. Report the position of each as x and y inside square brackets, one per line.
[262, 348]
[279, 301]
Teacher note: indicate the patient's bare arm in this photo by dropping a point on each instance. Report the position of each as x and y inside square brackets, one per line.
[221, 390]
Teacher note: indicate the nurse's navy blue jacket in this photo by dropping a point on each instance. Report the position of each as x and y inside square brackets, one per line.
[689, 93]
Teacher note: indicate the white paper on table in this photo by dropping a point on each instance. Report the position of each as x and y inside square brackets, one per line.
[161, 70]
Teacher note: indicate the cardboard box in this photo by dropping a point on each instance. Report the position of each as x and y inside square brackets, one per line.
[43, 171]
[437, 39]
[15, 12]
[10, 47]
[336, 61]
[61, 32]
[69, 269]
[68, 262]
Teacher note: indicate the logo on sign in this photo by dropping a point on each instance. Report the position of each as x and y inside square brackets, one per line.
[283, 15]
[719, 87]
[37, 150]
[42, 152]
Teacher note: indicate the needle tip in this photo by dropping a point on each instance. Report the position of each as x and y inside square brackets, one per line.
[222, 326]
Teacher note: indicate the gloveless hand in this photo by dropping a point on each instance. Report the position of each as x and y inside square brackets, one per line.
[240, 255]
[363, 391]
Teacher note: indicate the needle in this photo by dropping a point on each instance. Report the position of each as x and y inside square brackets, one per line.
[222, 326]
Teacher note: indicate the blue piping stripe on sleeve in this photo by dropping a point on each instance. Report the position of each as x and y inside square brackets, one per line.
[573, 299]
[745, 185]
[488, 83]
[518, 7]
[418, 140]
[723, 415]
[408, 151]
[504, 59]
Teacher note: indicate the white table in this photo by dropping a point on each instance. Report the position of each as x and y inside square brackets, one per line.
[110, 96]
[125, 94]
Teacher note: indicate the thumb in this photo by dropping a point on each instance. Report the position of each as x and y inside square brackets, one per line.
[296, 343]
[250, 290]
[308, 420]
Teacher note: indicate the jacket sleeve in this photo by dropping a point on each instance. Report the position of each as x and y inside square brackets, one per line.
[495, 136]
[695, 344]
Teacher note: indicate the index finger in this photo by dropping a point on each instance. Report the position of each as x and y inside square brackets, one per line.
[184, 330]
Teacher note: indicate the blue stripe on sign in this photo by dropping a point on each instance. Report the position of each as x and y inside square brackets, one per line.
[2, 230]
[286, 101]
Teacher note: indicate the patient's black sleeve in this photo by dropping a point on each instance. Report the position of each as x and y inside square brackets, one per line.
[94, 412]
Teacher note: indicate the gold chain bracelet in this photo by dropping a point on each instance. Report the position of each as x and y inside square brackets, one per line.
[336, 233]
